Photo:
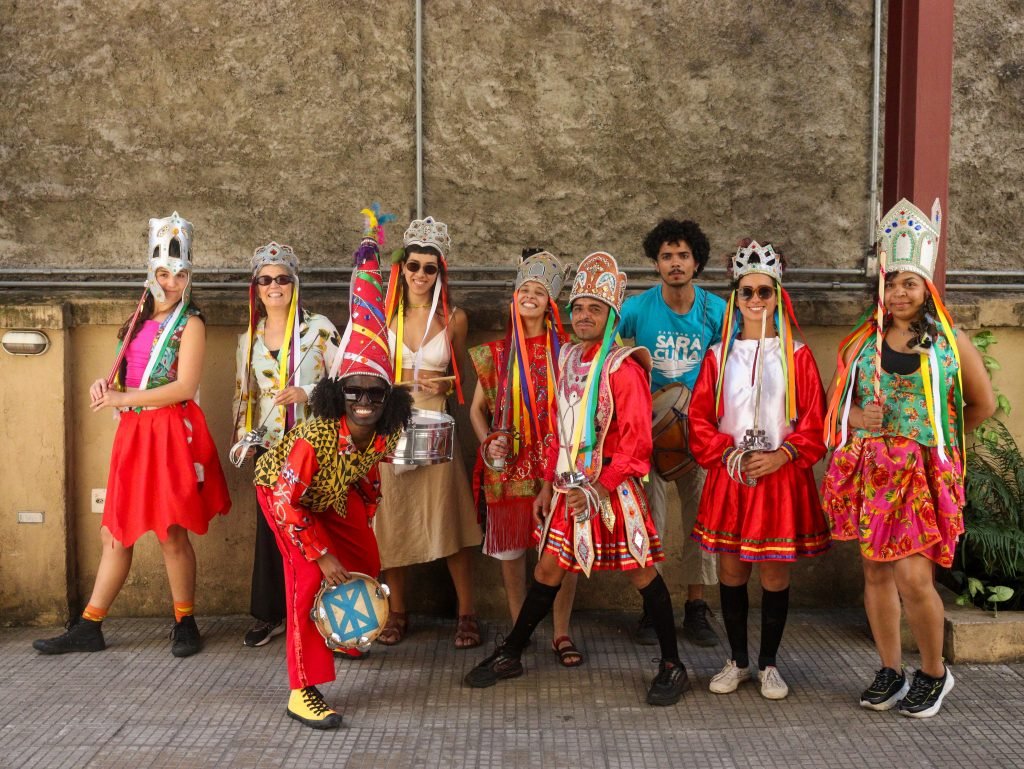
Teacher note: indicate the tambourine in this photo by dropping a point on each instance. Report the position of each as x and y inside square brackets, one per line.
[351, 615]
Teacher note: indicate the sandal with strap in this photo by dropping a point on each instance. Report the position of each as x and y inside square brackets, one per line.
[467, 632]
[566, 651]
[395, 629]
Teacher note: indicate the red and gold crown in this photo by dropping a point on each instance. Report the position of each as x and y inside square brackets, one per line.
[598, 277]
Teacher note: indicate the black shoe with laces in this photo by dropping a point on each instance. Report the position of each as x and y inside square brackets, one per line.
[885, 691]
[925, 697]
[262, 632]
[645, 634]
[500, 665]
[670, 683]
[696, 627]
[82, 635]
[185, 637]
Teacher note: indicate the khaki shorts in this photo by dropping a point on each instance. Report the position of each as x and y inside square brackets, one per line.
[699, 567]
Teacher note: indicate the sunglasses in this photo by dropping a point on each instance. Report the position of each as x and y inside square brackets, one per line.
[428, 269]
[371, 394]
[281, 280]
[764, 293]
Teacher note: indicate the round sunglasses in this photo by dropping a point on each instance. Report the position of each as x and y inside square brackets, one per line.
[281, 280]
[428, 269]
[764, 293]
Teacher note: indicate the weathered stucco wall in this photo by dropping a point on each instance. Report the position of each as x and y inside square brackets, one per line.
[573, 124]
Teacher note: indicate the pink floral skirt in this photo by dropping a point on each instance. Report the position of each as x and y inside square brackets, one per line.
[896, 497]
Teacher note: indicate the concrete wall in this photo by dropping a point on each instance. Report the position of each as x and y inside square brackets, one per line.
[571, 124]
[45, 568]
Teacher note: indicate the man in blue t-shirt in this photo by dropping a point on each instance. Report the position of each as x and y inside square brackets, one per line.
[677, 321]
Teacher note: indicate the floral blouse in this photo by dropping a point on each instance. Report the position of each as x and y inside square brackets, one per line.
[316, 331]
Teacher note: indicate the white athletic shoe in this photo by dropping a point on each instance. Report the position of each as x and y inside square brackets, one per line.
[729, 678]
[772, 685]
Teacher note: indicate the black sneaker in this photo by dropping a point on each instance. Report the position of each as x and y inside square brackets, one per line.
[185, 637]
[696, 627]
[670, 683]
[645, 634]
[83, 635]
[885, 691]
[261, 633]
[925, 697]
[499, 665]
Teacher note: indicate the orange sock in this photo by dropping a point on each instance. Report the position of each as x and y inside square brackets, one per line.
[182, 609]
[94, 613]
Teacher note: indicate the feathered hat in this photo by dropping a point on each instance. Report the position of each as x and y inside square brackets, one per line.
[364, 349]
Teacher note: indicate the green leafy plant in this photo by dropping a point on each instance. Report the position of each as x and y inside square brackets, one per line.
[991, 551]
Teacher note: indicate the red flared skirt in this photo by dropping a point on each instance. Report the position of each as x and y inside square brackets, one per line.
[779, 519]
[164, 471]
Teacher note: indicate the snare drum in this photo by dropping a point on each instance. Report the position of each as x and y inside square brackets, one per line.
[671, 432]
[429, 439]
[351, 615]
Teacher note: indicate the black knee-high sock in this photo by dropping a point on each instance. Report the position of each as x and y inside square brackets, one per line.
[774, 608]
[539, 600]
[735, 605]
[658, 607]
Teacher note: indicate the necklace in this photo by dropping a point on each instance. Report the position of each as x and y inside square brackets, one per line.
[417, 306]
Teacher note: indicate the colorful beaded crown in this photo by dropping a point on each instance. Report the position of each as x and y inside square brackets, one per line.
[543, 268]
[908, 241]
[428, 233]
[756, 258]
[275, 254]
[598, 277]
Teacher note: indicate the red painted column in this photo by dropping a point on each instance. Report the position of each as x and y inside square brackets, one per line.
[918, 109]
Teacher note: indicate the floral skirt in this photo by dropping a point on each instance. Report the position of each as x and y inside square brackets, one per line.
[896, 497]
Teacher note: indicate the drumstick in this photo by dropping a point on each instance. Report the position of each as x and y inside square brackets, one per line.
[414, 382]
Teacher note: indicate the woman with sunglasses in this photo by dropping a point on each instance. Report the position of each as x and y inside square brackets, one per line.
[428, 512]
[907, 389]
[755, 423]
[282, 355]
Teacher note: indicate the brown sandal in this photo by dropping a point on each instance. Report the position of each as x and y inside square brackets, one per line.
[566, 651]
[467, 632]
[395, 629]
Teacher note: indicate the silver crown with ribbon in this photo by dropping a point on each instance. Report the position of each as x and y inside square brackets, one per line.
[756, 258]
[275, 254]
[428, 233]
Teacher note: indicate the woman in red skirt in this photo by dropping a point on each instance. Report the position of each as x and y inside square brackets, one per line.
[755, 424]
[165, 476]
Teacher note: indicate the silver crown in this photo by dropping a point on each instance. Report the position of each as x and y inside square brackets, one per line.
[161, 233]
[275, 254]
[756, 258]
[543, 268]
[428, 233]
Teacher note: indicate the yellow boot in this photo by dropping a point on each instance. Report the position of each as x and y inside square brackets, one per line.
[307, 705]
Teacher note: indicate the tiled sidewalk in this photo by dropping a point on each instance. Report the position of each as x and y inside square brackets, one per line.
[135, 706]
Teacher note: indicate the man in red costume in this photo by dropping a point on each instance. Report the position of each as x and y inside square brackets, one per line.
[319, 487]
[592, 502]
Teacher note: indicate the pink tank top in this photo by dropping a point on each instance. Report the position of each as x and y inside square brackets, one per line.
[137, 356]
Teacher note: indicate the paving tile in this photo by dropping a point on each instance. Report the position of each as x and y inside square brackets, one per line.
[135, 706]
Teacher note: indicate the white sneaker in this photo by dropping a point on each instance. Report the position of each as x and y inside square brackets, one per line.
[729, 678]
[772, 685]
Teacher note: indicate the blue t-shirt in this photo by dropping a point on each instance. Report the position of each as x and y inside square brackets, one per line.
[677, 342]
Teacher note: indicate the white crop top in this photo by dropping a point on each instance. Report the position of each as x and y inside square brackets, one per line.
[434, 355]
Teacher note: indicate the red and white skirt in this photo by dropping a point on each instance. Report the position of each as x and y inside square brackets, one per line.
[164, 471]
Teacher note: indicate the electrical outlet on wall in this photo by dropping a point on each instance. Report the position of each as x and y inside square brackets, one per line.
[97, 499]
